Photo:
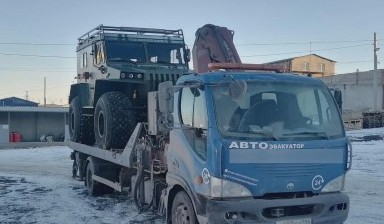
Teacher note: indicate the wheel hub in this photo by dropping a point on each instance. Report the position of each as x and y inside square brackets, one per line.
[182, 214]
[100, 120]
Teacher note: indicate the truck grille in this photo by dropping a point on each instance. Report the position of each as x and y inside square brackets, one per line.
[155, 79]
[283, 170]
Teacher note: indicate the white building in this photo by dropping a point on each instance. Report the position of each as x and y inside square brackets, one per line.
[358, 90]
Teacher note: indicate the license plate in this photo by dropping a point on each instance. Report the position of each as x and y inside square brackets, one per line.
[295, 221]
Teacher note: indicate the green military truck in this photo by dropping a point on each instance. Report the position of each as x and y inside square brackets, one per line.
[116, 68]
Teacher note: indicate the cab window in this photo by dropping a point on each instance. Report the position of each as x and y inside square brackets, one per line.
[193, 116]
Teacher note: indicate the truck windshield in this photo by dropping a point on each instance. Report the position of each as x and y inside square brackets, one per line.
[166, 53]
[125, 51]
[278, 111]
[135, 52]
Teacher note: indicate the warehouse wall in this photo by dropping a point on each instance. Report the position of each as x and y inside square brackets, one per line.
[357, 89]
[3, 118]
[33, 125]
[50, 123]
[25, 124]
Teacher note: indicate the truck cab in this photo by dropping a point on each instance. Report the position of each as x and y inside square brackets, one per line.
[256, 147]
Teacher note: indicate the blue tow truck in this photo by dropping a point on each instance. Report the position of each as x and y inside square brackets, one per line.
[227, 143]
[232, 147]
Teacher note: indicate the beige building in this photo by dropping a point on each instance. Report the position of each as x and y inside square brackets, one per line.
[312, 64]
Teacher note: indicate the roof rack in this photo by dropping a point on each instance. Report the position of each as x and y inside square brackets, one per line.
[101, 30]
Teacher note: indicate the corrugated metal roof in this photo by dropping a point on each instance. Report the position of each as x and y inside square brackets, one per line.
[35, 109]
[17, 102]
[290, 59]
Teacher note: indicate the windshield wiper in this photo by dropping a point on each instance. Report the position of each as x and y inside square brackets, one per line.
[165, 63]
[263, 132]
[124, 60]
[321, 134]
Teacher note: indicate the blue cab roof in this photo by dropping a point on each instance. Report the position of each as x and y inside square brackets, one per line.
[217, 76]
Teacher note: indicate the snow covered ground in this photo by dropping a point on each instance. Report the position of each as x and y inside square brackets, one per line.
[36, 187]
[365, 181]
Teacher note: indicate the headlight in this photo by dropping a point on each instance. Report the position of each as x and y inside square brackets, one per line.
[223, 189]
[335, 185]
[131, 75]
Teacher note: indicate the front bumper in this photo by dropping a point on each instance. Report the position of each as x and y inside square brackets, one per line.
[327, 208]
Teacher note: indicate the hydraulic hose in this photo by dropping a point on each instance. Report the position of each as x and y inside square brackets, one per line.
[139, 180]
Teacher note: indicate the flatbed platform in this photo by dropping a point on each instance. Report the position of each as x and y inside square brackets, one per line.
[122, 157]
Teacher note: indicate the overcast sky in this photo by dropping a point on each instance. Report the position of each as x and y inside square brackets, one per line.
[267, 30]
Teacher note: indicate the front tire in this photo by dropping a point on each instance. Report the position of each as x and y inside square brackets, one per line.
[182, 209]
[114, 120]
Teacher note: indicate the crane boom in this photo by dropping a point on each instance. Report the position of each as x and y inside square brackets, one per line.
[213, 44]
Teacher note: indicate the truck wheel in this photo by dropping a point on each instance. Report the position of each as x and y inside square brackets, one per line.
[74, 119]
[114, 121]
[94, 188]
[78, 167]
[182, 209]
[80, 126]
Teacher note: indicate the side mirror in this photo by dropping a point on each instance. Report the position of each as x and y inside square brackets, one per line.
[166, 97]
[338, 98]
[187, 55]
[94, 50]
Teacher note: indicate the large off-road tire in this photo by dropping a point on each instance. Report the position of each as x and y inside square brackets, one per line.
[80, 125]
[182, 209]
[114, 120]
[74, 119]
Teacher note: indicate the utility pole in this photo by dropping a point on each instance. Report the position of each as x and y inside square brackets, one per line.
[45, 91]
[26, 95]
[310, 56]
[375, 49]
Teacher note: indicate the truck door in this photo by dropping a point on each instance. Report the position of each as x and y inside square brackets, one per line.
[194, 119]
[187, 153]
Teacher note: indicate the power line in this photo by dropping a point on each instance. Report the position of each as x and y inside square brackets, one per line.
[38, 68]
[297, 52]
[36, 55]
[282, 43]
[306, 43]
[34, 90]
[35, 70]
[243, 44]
[351, 62]
[37, 44]
[301, 43]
